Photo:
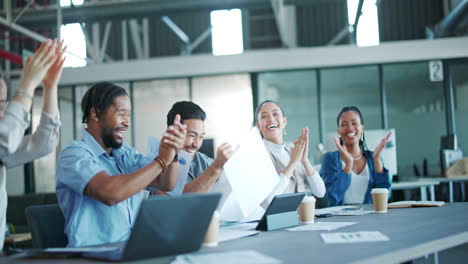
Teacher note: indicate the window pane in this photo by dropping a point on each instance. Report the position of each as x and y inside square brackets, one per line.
[66, 116]
[152, 101]
[79, 93]
[227, 101]
[416, 111]
[44, 168]
[296, 92]
[356, 86]
[460, 83]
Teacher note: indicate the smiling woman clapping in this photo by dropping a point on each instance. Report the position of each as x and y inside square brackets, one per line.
[291, 160]
[351, 172]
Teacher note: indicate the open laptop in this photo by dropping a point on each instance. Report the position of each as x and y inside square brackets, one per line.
[164, 226]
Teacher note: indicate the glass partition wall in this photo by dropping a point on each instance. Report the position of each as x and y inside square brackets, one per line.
[416, 110]
[460, 83]
[402, 96]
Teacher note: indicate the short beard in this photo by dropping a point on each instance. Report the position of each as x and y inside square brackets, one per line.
[107, 134]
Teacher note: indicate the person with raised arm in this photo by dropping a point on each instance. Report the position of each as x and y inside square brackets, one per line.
[99, 177]
[352, 171]
[291, 160]
[15, 148]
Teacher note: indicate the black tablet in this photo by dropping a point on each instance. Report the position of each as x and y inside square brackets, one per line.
[280, 204]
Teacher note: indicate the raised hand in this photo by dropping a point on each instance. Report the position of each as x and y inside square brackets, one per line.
[380, 147]
[223, 153]
[36, 67]
[298, 150]
[305, 136]
[53, 75]
[296, 155]
[345, 156]
[378, 166]
[173, 140]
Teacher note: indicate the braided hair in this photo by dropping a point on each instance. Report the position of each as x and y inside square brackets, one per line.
[100, 97]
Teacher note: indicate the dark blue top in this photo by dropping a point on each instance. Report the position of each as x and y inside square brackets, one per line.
[337, 181]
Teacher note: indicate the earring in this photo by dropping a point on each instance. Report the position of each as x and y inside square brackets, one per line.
[362, 136]
[284, 132]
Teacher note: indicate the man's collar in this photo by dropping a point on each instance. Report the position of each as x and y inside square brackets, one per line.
[92, 143]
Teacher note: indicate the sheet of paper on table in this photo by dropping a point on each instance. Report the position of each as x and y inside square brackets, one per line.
[231, 257]
[408, 204]
[344, 210]
[353, 237]
[321, 226]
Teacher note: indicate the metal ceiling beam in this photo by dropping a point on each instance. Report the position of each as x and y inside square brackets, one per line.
[453, 19]
[129, 9]
[22, 30]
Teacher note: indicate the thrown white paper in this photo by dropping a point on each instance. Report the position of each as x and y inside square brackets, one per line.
[231, 257]
[222, 186]
[353, 237]
[321, 226]
[252, 177]
[231, 234]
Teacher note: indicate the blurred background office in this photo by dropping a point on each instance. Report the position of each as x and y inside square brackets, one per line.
[404, 63]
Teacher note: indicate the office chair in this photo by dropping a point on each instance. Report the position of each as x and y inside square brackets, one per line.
[47, 226]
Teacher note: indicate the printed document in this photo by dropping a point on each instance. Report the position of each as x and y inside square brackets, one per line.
[353, 237]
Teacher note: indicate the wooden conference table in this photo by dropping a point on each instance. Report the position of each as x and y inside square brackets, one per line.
[413, 233]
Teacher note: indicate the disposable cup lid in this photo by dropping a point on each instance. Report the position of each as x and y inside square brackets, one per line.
[216, 214]
[308, 199]
[379, 190]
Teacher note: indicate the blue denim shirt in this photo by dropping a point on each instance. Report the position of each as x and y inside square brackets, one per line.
[89, 221]
[337, 181]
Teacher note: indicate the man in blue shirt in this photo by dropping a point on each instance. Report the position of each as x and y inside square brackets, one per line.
[99, 178]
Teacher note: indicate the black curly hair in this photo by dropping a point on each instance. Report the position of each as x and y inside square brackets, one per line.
[100, 96]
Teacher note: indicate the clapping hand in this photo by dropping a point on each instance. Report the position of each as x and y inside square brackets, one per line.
[37, 66]
[380, 147]
[223, 153]
[173, 140]
[52, 77]
[378, 151]
[345, 156]
[297, 152]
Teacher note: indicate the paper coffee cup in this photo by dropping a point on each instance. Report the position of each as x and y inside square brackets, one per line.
[380, 199]
[307, 210]
[211, 237]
